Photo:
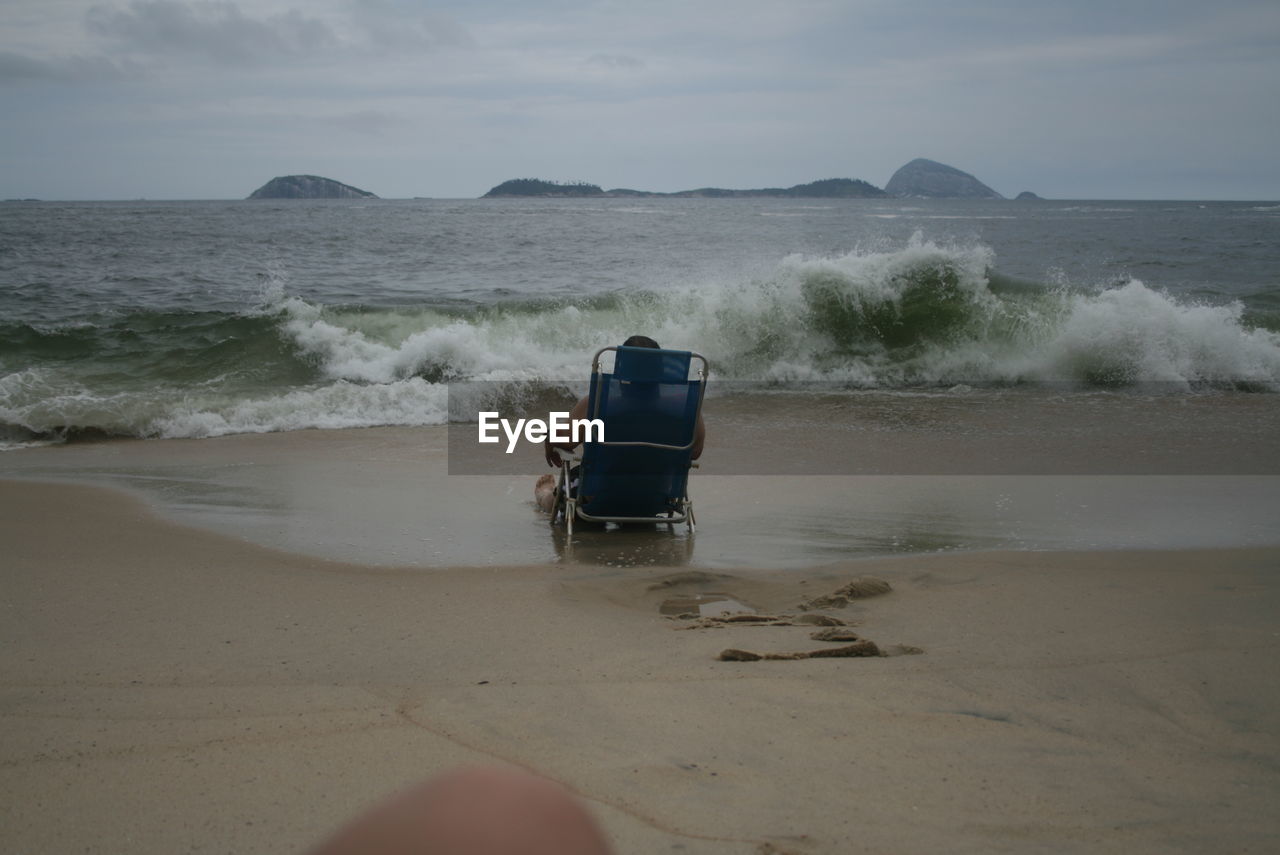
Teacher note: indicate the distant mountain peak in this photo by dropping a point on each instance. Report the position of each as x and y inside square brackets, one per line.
[933, 180]
[308, 187]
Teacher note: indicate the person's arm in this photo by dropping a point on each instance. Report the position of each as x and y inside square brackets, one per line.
[579, 411]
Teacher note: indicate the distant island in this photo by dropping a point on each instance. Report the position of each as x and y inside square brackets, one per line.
[927, 179]
[921, 178]
[308, 187]
[829, 188]
[538, 187]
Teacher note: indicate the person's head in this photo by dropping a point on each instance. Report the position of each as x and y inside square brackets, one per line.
[641, 341]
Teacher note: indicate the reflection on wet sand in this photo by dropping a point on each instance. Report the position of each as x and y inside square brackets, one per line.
[381, 496]
[624, 546]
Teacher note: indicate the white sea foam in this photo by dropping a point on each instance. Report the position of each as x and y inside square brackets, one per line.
[922, 314]
[340, 405]
[45, 407]
[1135, 334]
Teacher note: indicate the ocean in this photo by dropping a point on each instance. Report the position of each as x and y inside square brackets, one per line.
[200, 319]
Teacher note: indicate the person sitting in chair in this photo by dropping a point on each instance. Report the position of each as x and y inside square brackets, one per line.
[544, 491]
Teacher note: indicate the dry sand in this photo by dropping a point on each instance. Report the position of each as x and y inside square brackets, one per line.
[166, 689]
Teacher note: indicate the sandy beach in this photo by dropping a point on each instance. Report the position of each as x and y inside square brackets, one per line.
[176, 681]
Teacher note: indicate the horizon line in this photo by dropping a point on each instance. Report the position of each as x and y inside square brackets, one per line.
[674, 196]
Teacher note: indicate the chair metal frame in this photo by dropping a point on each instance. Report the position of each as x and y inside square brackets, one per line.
[570, 506]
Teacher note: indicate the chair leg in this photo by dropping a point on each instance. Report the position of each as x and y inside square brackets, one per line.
[562, 495]
[557, 510]
[570, 510]
[688, 509]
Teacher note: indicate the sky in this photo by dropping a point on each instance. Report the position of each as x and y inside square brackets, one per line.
[209, 99]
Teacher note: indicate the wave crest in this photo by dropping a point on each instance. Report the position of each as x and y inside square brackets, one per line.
[920, 314]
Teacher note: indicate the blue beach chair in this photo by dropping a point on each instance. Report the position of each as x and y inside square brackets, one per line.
[640, 472]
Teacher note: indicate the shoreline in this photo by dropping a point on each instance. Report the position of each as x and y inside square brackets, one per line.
[168, 688]
[389, 496]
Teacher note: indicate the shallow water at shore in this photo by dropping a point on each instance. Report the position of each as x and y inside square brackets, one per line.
[382, 497]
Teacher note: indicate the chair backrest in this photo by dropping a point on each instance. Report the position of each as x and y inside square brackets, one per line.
[649, 407]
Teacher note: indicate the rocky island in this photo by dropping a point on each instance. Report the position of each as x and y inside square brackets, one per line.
[919, 179]
[308, 187]
[829, 188]
[928, 179]
[538, 187]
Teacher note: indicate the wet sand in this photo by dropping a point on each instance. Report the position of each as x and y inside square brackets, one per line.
[172, 689]
[382, 496]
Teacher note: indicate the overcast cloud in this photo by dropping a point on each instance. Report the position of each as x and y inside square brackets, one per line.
[172, 99]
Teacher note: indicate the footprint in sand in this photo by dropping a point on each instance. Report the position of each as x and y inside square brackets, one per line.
[856, 590]
[835, 629]
[865, 647]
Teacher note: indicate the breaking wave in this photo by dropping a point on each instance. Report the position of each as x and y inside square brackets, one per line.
[921, 315]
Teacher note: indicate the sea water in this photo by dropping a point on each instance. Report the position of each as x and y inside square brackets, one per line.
[932, 353]
[196, 319]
